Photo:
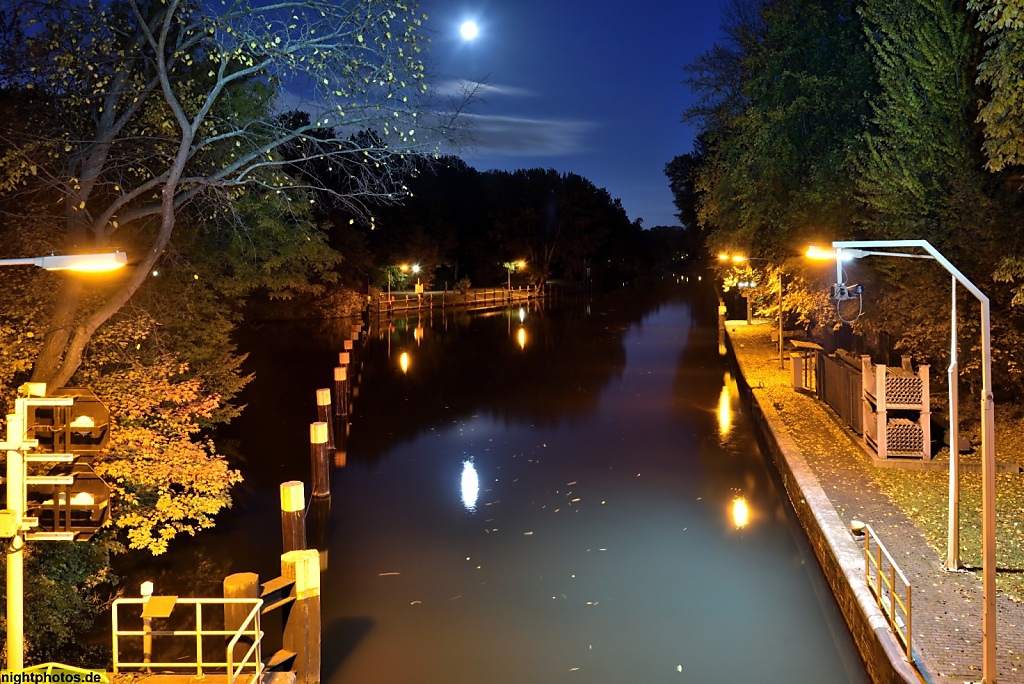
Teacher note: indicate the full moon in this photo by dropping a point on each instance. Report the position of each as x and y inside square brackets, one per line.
[469, 30]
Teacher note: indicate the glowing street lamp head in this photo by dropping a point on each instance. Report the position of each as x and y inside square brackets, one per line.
[87, 263]
[734, 258]
[828, 254]
[79, 263]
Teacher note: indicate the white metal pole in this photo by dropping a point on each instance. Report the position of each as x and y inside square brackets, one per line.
[15, 554]
[953, 530]
[988, 503]
[781, 363]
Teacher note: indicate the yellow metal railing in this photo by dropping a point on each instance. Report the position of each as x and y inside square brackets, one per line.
[884, 586]
[251, 662]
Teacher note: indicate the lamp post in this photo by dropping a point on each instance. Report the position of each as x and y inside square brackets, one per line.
[860, 248]
[511, 266]
[15, 445]
[740, 259]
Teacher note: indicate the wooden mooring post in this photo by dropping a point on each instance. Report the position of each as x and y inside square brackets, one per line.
[293, 516]
[323, 413]
[244, 585]
[302, 633]
[350, 350]
[320, 459]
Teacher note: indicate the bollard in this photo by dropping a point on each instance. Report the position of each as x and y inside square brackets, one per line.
[323, 413]
[343, 358]
[239, 585]
[321, 464]
[350, 350]
[146, 590]
[293, 522]
[302, 617]
[341, 391]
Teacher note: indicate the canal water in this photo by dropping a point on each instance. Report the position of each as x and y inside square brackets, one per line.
[566, 494]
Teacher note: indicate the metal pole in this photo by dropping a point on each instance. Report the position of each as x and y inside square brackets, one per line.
[953, 534]
[988, 504]
[15, 553]
[781, 364]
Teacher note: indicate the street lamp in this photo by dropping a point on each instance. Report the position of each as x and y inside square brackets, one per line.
[860, 248]
[741, 259]
[80, 263]
[511, 266]
[13, 519]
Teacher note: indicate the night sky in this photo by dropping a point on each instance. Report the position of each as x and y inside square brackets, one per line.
[592, 87]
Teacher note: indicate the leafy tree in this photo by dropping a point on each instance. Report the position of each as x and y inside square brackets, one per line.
[153, 108]
[65, 583]
[1002, 70]
[550, 219]
[919, 148]
[781, 137]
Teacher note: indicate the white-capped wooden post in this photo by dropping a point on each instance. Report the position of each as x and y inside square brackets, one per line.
[146, 591]
[240, 585]
[302, 617]
[323, 413]
[347, 346]
[293, 519]
[320, 461]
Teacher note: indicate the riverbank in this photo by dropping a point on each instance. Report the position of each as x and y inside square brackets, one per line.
[836, 483]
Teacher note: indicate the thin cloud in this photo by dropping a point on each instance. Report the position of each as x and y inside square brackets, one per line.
[480, 89]
[521, 137]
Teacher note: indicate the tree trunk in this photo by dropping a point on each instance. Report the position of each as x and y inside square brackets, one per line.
[56, 338]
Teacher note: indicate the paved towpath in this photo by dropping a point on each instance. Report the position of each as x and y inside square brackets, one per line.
[946, 617]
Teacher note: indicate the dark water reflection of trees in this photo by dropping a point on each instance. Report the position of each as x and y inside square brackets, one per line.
[460, 365]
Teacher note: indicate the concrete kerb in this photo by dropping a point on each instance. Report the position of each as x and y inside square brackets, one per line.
[841, 559]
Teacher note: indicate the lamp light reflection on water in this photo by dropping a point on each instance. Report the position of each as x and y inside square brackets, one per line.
[522, 314]
[740, 512]
[403, 362]
[724, 412]
[521, 338]
[470, 486]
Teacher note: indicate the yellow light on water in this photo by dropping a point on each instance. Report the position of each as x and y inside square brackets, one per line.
[740, 512]
[521, 338]
[403, 362]
[724, 411]
[470, 485]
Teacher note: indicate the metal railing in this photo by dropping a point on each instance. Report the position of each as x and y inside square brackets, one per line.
[403, 301]
[884, 586]
[250, 629]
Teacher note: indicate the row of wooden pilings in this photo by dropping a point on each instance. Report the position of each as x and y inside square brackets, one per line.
[304, 529]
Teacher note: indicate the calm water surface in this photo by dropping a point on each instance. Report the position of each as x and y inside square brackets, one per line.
[572, 494]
